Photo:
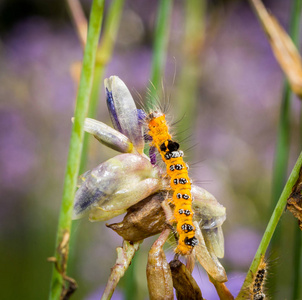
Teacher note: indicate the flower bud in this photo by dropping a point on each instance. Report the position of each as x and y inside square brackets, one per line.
[115, 185]
[123, 111]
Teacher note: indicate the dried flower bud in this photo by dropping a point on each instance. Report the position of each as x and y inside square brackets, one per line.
[183, 282]
[144, 219]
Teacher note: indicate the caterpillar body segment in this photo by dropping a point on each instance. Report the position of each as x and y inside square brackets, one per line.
[256, 289]
[180, 182]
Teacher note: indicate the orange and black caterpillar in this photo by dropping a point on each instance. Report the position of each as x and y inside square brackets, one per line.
[180, 181]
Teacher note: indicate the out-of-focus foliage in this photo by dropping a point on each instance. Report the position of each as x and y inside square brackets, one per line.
[238, 91]
[284, 48]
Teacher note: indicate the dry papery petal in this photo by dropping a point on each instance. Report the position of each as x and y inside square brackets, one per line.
[159, 276]
[142, 220]
[183, 282]
[210, 215]
[283, 47]
[221, 290]
[294, 202]
[207, 258]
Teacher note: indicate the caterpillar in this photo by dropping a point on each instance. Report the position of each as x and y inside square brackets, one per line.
[256, 289]
[180, 182]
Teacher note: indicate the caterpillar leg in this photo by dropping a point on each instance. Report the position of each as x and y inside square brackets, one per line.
[168, 211]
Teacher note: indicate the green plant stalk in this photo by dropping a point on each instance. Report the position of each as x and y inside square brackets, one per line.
[283, 144]
[278, 211]
[73, 162]
[161, 36]
[282, 148]
[103, 57]
[297, 255]
[191, 71]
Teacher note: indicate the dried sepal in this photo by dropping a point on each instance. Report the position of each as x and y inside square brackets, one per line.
[207, 210]
[183, 282]
[124, 258]
[115, 185]
[207, 259]
[214, 240]
[159, 276]
[123, 111]
[221, 289]
[283, 47]
[144, 219]
[210, 215]
[294, 202]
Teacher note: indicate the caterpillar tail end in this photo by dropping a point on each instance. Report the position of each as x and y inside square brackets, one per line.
[185, 246]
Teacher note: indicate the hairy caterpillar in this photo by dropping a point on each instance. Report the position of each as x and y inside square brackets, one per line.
[180, 181]
[256, 289]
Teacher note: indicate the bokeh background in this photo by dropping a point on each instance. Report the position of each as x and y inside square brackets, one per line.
[230, 137]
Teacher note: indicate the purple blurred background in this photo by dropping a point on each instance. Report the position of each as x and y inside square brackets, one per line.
[234, 136]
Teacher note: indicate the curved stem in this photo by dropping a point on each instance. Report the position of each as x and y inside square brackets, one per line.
[103, 57]
[59, 286]
[278, 211]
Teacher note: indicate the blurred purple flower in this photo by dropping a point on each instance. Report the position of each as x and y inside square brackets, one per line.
[234, 283]
[42, 56]
[117, 295]
[241, 246]
[17, 150]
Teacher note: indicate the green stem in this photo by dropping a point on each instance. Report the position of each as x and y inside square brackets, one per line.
[58, 284]
[278, 211]
[282, 147]
[104, 55]
[161, 36]
[283, 140]
[297, 255]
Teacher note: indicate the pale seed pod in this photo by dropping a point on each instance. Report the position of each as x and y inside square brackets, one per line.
[159, 276]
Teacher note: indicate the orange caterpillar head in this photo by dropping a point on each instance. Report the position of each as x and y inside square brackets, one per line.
[155, 119]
